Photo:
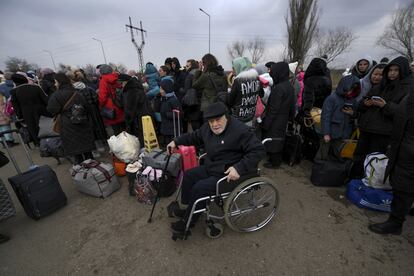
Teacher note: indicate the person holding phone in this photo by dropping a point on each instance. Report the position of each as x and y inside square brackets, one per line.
[377, 110]
[337, 117]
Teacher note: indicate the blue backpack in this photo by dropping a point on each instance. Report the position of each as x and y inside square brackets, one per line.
[367, 197]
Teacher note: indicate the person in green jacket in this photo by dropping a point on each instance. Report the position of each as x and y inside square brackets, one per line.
[210, 80]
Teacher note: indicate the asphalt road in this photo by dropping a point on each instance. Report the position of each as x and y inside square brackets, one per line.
[316, 232]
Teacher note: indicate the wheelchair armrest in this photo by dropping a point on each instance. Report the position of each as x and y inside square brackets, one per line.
[222, 182]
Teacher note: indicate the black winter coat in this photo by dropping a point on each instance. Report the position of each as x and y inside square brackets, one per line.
[191, 113]
[318, 85]
[29, 102]
[380, 120]
[280, 107]
[92, 104]
[136, 103]
[76, 138]
[168, 103]
[401, 153]
[236, 146]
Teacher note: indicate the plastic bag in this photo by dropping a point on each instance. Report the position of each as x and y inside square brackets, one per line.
[125, 147]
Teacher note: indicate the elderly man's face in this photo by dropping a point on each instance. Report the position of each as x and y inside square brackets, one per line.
[217, 125]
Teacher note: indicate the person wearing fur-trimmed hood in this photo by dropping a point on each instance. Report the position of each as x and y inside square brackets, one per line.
[244, 91]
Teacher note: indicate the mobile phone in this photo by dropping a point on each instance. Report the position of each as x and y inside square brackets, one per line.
[348, 105]
[376, 98]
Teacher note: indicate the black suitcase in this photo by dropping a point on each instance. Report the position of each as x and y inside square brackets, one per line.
[292, 149]
[37, 189]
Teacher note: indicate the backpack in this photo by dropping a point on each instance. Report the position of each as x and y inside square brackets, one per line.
[374, 166]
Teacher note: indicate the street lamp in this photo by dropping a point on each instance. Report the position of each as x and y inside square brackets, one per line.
[103, 52]
[51, 56]
[208, 28]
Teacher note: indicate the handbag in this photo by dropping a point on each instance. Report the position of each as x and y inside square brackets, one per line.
[57, 120]
[349, 145]
[191, 98]
[108, 113]
[9, 109]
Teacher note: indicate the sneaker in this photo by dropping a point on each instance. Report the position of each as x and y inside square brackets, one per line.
[11, 143]
[4, 238]
[179, 226]
[388, 227]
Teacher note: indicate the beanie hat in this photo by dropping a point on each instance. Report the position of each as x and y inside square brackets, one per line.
[124, 77]
[105, 69]
[167, 85]
[46, 71]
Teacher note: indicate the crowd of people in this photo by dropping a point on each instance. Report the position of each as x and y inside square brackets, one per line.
[376, 97]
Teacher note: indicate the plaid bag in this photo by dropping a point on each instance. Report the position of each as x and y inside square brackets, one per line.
[144, 191]
[6, 205]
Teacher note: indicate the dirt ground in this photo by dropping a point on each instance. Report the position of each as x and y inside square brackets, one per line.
[316, 232]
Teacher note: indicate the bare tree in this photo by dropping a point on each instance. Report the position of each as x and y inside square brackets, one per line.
[236, 49]
[14, 64]
[334, 42]
[302, 26]
[256, 48]
[399, 35]
[89, 69]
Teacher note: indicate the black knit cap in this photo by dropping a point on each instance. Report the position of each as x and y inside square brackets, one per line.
[215, 110]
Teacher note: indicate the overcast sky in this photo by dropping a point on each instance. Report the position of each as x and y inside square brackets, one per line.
[174, 28]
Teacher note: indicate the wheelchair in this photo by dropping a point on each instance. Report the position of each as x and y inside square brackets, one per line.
[248, 207]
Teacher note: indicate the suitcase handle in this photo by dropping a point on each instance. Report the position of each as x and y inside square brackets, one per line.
[29, 158]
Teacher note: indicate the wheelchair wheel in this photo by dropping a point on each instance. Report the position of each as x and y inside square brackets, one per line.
[251, 205]
[214, 230]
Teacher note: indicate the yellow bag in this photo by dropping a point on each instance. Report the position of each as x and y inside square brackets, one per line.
[314, 119]
[349, 145]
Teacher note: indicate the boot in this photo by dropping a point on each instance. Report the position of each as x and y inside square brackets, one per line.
[412, 212]
[391, 226]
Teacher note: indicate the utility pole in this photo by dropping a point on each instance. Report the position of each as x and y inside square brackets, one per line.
[139, 48]
[51, 56]
[103, 52]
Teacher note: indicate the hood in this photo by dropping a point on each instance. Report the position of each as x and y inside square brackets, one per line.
[402, 63]
[241, 64]
[111, 78]
[218, 70]
[367, 58]
[249, 74]
[150, 69]
[317, 67]
[133, 83]
[261, 69]
[279, 72]
[346, 84]
[366, 81]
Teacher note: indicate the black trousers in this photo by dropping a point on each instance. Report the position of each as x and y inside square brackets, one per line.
[367, 143]
[197, 183]
[401, 205]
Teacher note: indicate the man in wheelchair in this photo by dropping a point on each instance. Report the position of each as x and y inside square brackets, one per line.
[232, 149]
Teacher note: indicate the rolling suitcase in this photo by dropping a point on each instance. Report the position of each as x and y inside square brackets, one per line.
[37, 189]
